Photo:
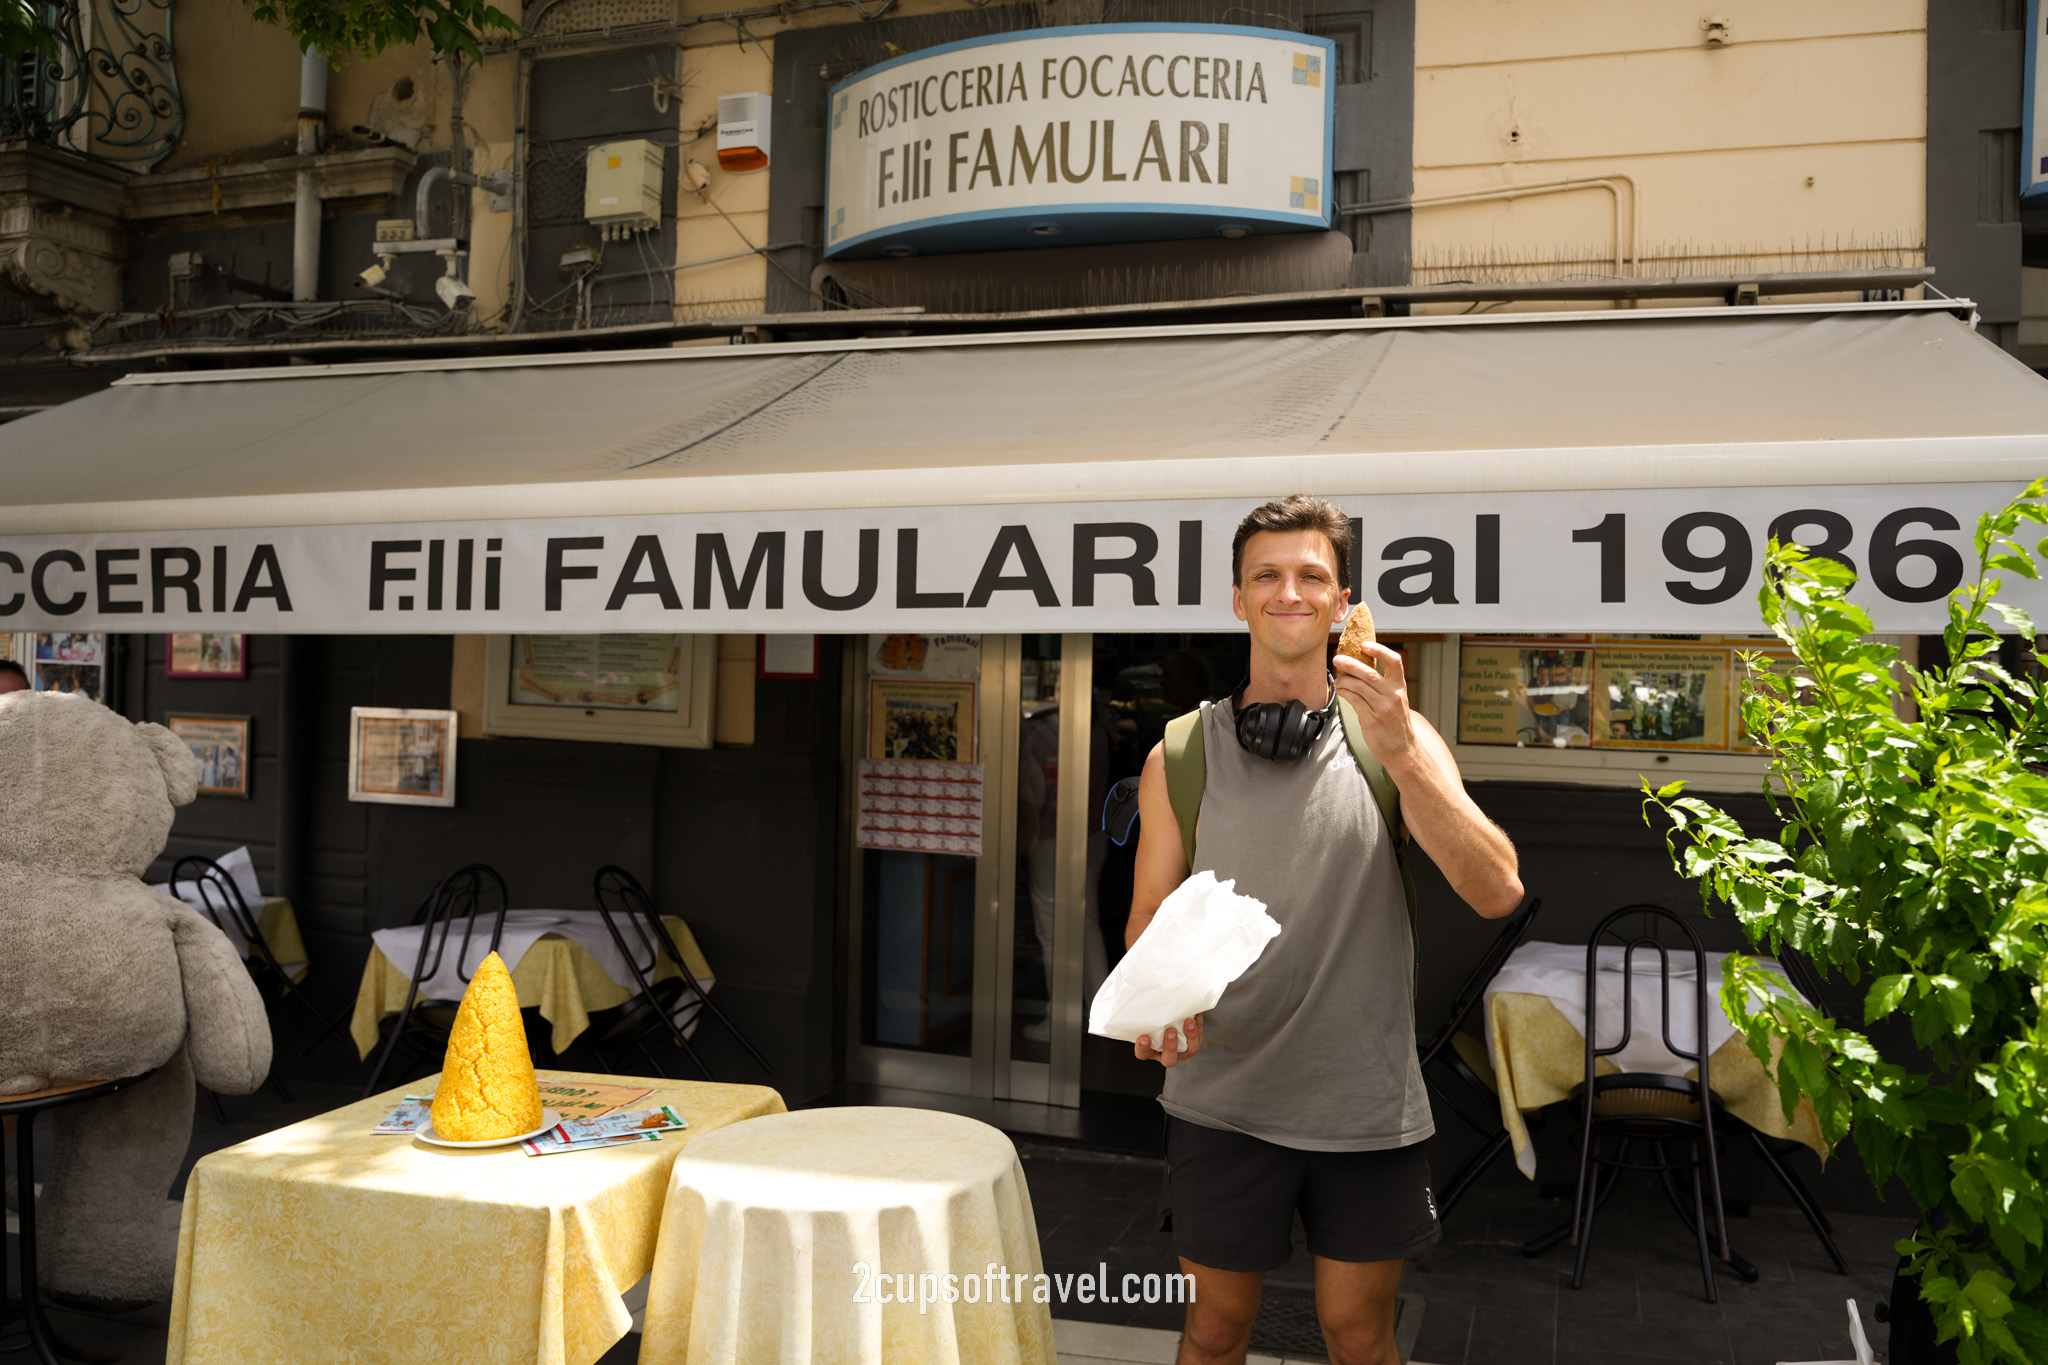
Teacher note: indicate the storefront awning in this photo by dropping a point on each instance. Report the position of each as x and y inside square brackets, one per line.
[1082, 480]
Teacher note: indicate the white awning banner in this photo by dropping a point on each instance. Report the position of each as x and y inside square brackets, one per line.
[1666, 560]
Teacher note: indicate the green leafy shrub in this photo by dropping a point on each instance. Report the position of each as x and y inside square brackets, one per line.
[340, 28]
[1913, 855]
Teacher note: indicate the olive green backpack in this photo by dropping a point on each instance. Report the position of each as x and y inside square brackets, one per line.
[1187, 775]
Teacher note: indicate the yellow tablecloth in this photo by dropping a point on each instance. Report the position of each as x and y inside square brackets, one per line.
[280, 930]
[767, 1221]
[557, 974]
[1542, 1059]
[322, 1242]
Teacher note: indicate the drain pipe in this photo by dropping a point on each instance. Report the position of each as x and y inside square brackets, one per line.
[306, 207]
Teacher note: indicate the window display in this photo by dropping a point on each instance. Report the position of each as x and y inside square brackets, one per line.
[1605, 691]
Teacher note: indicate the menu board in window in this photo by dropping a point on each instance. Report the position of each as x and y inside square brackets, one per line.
[598, 672]
[1528, 692]
[1675, 693]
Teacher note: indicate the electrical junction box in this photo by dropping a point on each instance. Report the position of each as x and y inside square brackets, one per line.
[743, 132]
[622, 187]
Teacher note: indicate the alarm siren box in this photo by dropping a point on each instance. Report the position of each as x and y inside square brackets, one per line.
[743, 132]
[622, 187]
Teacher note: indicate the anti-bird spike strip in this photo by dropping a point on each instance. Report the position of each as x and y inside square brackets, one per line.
[487, 1088]
[1358, 633]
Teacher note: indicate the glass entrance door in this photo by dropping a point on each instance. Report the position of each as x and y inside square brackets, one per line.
[974, 926]
[972, 967]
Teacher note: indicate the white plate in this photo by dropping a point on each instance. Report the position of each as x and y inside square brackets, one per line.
[533, 919]
[548, 1119]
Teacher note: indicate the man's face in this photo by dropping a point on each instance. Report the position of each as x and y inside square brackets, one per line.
[11, 681]
[1288, 594]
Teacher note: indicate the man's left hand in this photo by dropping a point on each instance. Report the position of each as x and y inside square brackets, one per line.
[1380, 701]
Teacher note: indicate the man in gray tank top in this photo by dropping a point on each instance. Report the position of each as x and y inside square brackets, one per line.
[1300, 1090]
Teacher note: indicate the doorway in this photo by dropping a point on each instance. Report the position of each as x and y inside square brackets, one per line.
[971, 967]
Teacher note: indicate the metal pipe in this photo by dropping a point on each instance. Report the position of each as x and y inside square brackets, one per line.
[458, 158]
[306, 199]
[423, 203]
[1632, 244]
[522, 103]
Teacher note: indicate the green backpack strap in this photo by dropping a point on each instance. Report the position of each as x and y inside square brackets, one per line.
[1186, 774]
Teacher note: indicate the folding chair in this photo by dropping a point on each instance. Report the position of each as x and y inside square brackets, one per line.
[424, 1024]
[1649, 1108]
[644, 942]
[220, 900]
[1464, 1057]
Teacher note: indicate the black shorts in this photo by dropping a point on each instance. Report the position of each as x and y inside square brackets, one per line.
[1234, 1198]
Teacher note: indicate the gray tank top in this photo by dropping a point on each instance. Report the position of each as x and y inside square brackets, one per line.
[1314, 1046]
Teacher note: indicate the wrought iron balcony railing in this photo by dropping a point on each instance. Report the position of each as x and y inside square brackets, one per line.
[106, 85]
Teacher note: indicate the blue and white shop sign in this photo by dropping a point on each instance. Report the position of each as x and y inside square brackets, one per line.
[1098, 133]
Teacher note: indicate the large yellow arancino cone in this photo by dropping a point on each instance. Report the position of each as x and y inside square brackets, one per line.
[487, 1086]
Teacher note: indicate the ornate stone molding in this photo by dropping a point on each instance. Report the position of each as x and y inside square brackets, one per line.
[61, 239]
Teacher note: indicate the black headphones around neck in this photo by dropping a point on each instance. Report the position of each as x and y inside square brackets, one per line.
[1281, 731]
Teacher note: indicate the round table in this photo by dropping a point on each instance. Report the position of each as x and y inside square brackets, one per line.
[798, 1237]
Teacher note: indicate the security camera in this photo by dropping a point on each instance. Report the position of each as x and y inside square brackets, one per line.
[454, 291]
[375, 275]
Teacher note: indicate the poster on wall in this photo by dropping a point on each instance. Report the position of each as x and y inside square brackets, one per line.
[1651, 698]
[401, 757]
[199, 654]
[1525, 694]
[70, 661]
[221, 744]
[616, 672]
[920, 807]
[1677, 693]
[933, 721]
[933, 658]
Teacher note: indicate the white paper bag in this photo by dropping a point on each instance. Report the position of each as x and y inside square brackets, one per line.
[1203, 937]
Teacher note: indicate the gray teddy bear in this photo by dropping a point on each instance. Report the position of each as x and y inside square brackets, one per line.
[102, 976]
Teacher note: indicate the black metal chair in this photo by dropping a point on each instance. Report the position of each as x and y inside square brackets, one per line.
[1455, 1051]
[423, 1025]
[215, 894]
[1649, 1108]
[47, 1347]
[644, 942]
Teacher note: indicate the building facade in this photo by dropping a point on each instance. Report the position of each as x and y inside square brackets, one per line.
[1481, 158]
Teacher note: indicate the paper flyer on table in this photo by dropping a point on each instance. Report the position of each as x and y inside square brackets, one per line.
[411, 1116]
[548, 1143]
[659, 1120]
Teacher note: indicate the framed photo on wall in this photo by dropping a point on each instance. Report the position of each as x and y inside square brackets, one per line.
[69, 661]
[198, 654]
[602, 688]
[401, 757]
[933, 721]
[221, 744]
